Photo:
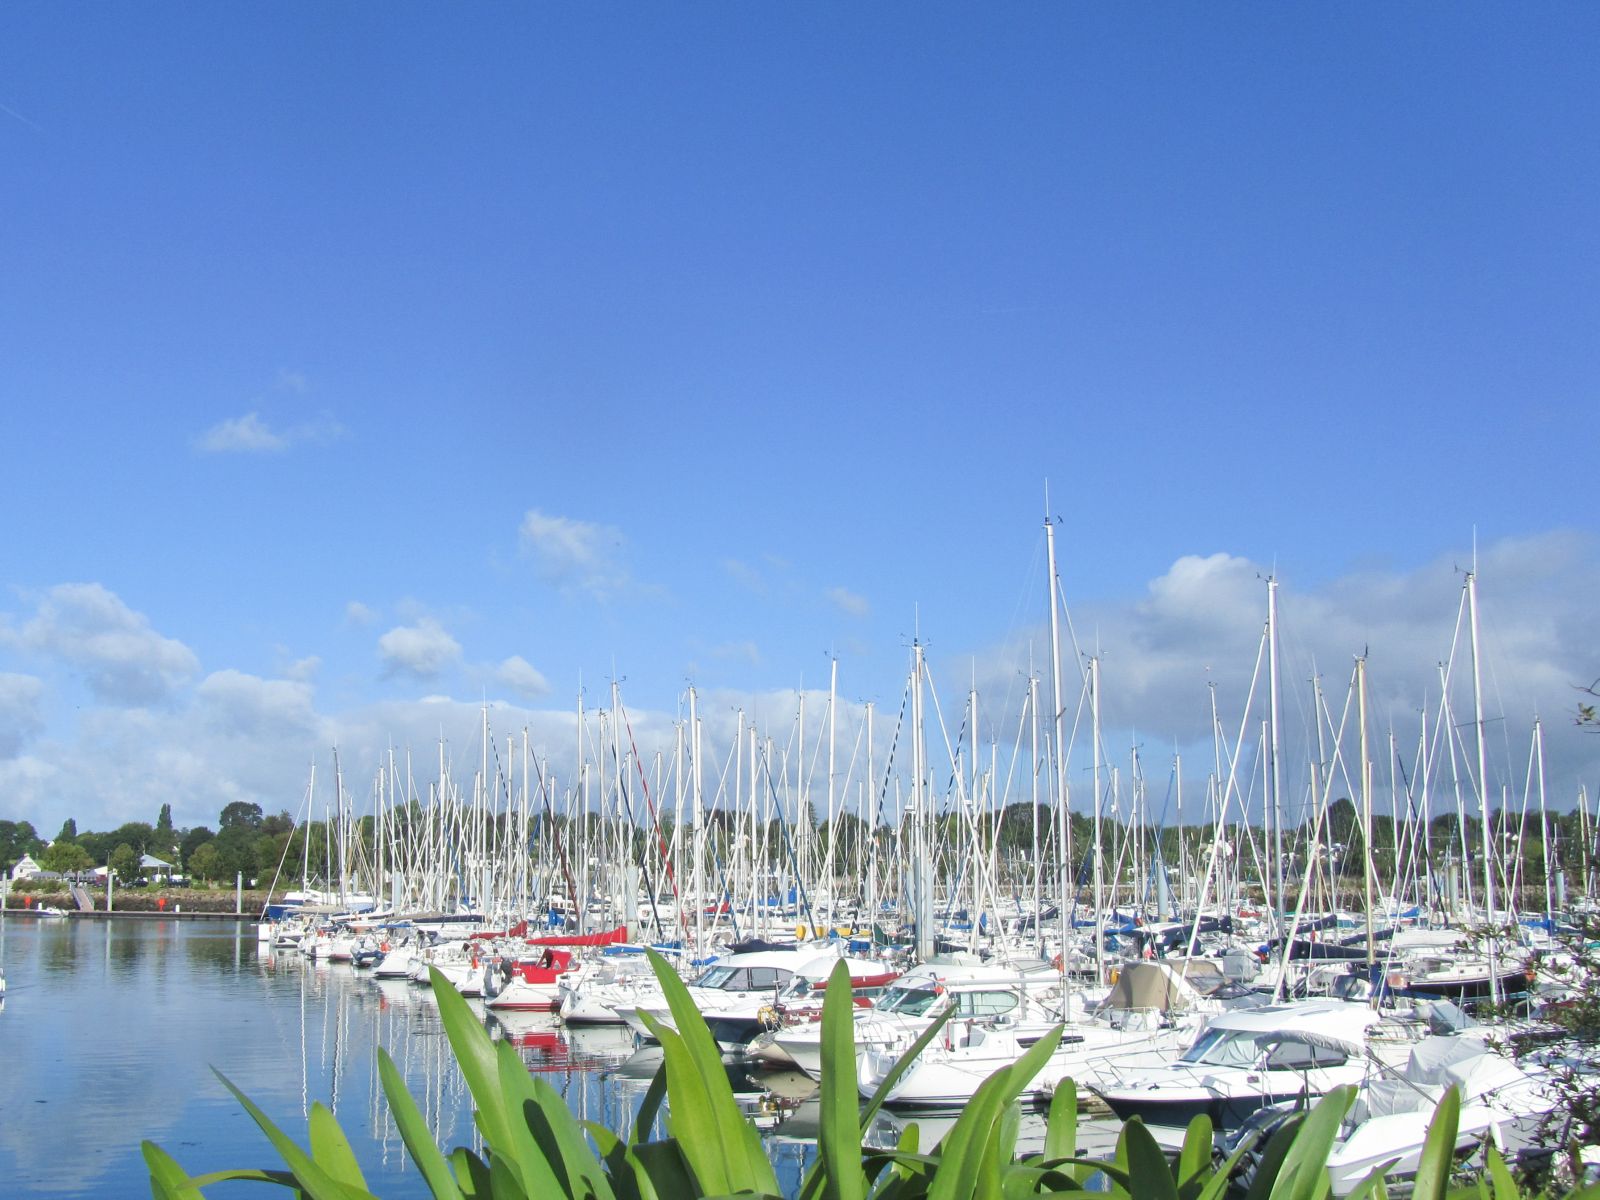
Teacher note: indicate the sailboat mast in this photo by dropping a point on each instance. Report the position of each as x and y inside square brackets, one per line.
[1063, 823]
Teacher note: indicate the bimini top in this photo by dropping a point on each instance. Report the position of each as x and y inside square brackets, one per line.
[1336, 1024]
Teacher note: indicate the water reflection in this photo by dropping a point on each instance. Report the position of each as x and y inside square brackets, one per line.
[111, 1031]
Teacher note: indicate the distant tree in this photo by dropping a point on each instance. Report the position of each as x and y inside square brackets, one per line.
[235, 847]
[204, 862]
[280, 823]
[99, 845]
[125, 862]
[241, 814]
[193, 839]
[16, 839]
[69, 831]
[64, 856]
[139, 834]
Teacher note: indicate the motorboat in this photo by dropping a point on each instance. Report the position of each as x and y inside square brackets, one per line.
[1246, 1059]
[1503, 1103]
[1029, 990]
[1152, 1011]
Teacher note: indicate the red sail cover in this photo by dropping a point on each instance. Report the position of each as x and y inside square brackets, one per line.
[610, 937]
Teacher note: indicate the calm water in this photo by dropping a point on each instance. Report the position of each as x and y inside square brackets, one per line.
[110, 1030]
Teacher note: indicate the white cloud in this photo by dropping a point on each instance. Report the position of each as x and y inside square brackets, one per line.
[423, 650]
[357, 613]
[248, 704]
[303, 670]
[849, 602]
[1199, 630]
[518, 674]
[241, 435]
[573, 554]
[249, 434]
[19, 712]
[124, 661]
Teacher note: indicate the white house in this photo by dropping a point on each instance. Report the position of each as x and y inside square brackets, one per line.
[26, 868]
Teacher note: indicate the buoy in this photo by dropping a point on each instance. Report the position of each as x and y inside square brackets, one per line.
[800, 931]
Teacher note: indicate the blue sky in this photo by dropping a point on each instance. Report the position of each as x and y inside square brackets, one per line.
[363, 363]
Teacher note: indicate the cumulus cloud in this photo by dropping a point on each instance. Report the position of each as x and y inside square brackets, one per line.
[849, 602]
[123, 660]
[303, 670]
[1196, 637]
[248, 704]
[249, 434]
[424, 650]
[574, 554]
[357, 613]
[522, 677]
[20, 718]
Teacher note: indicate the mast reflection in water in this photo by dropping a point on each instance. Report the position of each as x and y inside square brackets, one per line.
[109, 1032]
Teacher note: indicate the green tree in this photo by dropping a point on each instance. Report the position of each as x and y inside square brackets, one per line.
[65, 857]
[125, 862]
[241, 814]
[192, 841]
[204, 862]
[69, 831]
[16, 839]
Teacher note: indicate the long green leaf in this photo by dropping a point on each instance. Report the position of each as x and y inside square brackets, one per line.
[414, 1132]
[1194, 1159]
[837, 1172]
[903, 1064]
[331, 1148]
[1304, 1173]
[1149, 1177]
[533, 1151]
[472, 1174]
[168, 1181]
[650, 1106]
[1061, 1126]
[731, 1158]
[561, 1136]
[1438, 1149]
[313, 1180]
[475, 1055]
[963, 1171]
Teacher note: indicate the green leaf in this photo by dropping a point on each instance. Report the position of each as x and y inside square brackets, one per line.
[311, 1178]
[331, 1148]
[1194, 1159]
[723, 1149]
[1438, 1149]
[561, 1137]
[532, 1151]
[1270, 1164]
[1149, 1177]
[168, 1181]
[1303, 1174]
[650, 1106]
[903, 1064]
[475, 1055]
[1061, 1126]
[472, 1174]
[964, 1167]
[837, 1172]
[414, 1132]
[663, 1170]
[1499, 1177]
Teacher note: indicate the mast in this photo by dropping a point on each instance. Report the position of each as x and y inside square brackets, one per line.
[1063, 823]
[1366, 806]
[1275, 752]
[1483, 781]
